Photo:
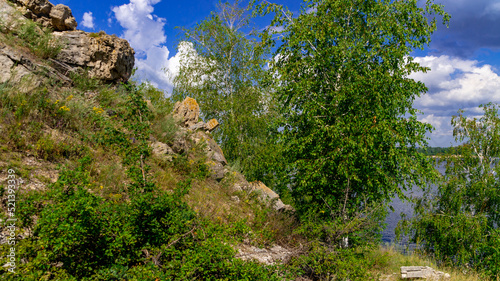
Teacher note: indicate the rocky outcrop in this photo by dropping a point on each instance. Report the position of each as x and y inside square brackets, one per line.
[187, 112]
[108, 57]
[194, 132]
[58, 17]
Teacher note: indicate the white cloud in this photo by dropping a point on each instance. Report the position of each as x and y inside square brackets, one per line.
[144, 31]
[158, 69]
[454, 84]
[454, 81]
[88, 20]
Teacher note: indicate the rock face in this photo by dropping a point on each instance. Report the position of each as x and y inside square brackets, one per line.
[16, 67]
[58, 17]
[109, 58]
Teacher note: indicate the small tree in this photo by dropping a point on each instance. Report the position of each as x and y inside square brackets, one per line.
[459, 221]
[350, 130]
[225, 71]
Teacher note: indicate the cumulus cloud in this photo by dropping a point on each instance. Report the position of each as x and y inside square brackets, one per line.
[160, 70]
[473, 25]
[454, 84]
[88, 20]
[144, 30]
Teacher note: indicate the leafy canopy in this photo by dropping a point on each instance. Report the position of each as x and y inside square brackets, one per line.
[351, 133]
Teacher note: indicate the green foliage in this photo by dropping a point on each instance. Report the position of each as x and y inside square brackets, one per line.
[223, 67]
[82, 81]
[322, 263]
[350, 132]
[144, 234]
[458, 222]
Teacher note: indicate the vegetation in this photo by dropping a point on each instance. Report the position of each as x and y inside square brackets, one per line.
[329, 124]
[434, 151]
[350, 130]
[223, 67]
[458, 222]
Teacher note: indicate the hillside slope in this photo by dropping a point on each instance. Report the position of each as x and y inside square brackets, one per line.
[102, 178]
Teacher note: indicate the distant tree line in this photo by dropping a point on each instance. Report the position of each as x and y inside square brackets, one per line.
[434, 151]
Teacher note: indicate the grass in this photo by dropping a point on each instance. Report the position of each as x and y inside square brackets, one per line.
[389, 260]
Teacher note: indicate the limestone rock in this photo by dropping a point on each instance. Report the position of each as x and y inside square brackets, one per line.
[200, 125]
[5, 68]
[162, 150]
[423, 272]
[109, 58]
[58, 17]
[265, 256]
[212, 125]
[267, 195]
[10, 18]
[187, 112]
[62, 18]
[239, 182]
[213, 150]
[216, 170]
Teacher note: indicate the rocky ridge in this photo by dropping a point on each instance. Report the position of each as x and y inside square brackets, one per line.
[194, 132]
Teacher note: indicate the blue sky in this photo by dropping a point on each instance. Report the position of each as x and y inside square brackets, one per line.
[464, 58]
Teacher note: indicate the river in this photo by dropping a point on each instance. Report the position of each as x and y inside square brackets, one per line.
[388, 235]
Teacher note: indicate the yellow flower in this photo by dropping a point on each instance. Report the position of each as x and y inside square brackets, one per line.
[98, 110]
[57, 101]
[69, 98]
[64, 108]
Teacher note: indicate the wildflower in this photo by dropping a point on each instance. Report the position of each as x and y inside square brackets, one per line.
[64, 108]
[57, 101]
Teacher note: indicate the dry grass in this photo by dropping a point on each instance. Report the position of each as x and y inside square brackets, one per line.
[391, 260]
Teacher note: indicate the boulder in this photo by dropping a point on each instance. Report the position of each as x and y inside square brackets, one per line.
[217, 171]
[59, 17]
[162, 150]
[109, 58]
[212, 149]
[187, 112]
[267, 195]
